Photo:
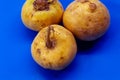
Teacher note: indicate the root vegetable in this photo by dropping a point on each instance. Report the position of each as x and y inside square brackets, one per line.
[87, 19]
[37, 14]
[54, 47]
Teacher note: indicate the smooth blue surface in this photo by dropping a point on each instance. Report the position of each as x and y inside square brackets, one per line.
[97, 60]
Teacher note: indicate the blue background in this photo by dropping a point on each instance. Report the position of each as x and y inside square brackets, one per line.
[96, 60]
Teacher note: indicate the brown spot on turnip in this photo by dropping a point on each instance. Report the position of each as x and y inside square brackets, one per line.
[43, 25]
[105, 18]
[87, 25]
[35, 43]
[90, 19]
[50, 64]
[44, 59]
[37, 21]
[61, 58]
[31, 15]
[38, 51]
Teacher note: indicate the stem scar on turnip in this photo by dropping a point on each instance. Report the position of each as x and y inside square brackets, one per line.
[40, 5]
[50, 39]
[92, 6]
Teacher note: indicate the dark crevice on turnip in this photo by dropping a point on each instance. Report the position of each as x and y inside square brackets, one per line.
[40, 5]
[50, 39]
